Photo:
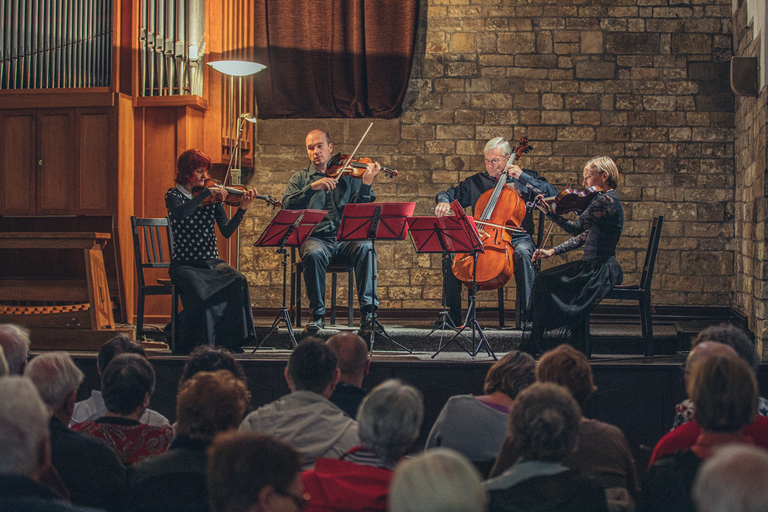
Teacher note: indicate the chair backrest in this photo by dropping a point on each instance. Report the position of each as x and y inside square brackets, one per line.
[154, 255]
[650, 253]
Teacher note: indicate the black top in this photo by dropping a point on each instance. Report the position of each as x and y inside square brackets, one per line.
[194, 235]
[173, 481]
[21, 494]
[299, 196]
[348, 398]
[598, 228]
[668, 483]
[91, 470]
[470, 190]
[568, 491]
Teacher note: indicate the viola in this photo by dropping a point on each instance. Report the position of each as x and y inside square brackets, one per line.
[235, 194]
[355, 168]
[503, 210]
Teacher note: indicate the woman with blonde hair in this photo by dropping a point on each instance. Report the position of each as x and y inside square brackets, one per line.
[565, 295]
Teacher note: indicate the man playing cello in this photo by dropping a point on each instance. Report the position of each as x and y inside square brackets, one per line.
[497, 153]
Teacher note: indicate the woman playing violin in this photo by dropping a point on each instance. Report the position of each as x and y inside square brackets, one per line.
[566, 294]
[217, 304]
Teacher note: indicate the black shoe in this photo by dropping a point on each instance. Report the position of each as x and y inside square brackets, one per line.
[367, 325]
[315, 325]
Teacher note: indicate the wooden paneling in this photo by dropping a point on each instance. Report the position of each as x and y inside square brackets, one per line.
[96, 164]
[56, 152]
[17, 163]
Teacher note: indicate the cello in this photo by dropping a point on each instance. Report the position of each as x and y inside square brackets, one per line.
[501, 206]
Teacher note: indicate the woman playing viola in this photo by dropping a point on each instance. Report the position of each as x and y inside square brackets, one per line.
[217, 305]
[565, 295]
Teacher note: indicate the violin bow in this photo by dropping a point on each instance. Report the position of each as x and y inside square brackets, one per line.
[346, 164]
[549, 229]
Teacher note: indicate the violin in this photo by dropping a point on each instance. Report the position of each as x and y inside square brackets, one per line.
[570, 200]
[234, 194]
[355, 168]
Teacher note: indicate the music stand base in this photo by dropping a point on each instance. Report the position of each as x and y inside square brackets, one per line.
[382, 333]
[282, 316]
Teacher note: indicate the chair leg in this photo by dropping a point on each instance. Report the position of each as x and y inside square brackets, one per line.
[333, 298]
[140, 316]
[587, 338]
[298, 298]
[350, 298]
[174, 314]
[647, 325]
[501, 307]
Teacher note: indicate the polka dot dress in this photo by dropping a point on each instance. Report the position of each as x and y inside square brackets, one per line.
[194, 237]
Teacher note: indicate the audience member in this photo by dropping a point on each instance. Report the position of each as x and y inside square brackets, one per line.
[24, 450]
[438, 480]
[602, 451]
[724, 391]
[3, 363]
[352, 353]
[305, 418]
[205, 358]
[389, 421]
[126, 384]
[733, 480]
[93, 474]
[738, 340]
[477, 426]
[208, 403]
[253, 473]
[94, 407]
[14, 339]
[544, 428]
[685, 436]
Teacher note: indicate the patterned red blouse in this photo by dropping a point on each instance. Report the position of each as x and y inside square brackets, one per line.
[131, 440]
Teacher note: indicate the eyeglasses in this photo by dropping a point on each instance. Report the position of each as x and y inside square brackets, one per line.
[299, 501]
[493, 161]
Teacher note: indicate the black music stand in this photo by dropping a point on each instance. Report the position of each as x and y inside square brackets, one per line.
[444, 235]
[475, 246]
[289, 228]
[371, 221]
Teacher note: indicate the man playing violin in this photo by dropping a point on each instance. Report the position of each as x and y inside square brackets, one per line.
[313, 188]
[217, 304]
[497, 153]
[565, 295]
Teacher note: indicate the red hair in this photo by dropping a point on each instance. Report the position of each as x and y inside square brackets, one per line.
[189, 162]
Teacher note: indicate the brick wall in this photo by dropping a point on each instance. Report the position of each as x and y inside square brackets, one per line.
[750, 200]
[645, 82]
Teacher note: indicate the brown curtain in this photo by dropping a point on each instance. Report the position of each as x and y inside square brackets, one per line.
[334, 58]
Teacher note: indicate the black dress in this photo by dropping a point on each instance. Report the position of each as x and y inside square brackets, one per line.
[217, 304]
[566, 294]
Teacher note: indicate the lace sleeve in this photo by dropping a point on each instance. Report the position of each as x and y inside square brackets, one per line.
[600, 207]
[572, 243]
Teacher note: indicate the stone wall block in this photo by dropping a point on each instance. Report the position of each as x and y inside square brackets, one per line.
[628, 43]
[595, 70]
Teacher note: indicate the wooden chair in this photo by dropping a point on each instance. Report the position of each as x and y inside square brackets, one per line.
[297, 270]
[152, 231]
[640, 292]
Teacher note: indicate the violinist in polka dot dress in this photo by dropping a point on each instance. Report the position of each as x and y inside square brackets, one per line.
[215, 297]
